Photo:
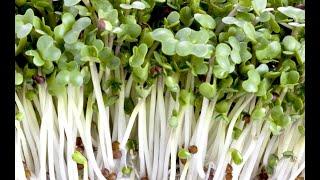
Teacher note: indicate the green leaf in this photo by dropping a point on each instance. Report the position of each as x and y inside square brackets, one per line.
[140, 74]
[73, 35]
[297, 14]
[223, 50]
[104, 5]
[63, 77]
[168, 47]
[244, 53]
[200, 50]
[184, 34]
[236, 133]
[249, 30]
[245, 3]
[37, 59]
[280, 119]
[235, 44]
[89, 53]
[222, 106]
[184, 48]
[186, 16]
[69, 3]
[288, 78]
[264, 16]
[171, 84]
[126, 6]
[142, 92]
[47, 49]
[205, 20]
[186, 97]
[184, 154]
[301, 53]
[126, 170]
[288, 65]
[18, 78]
[83, 11]
[236, 156]
[76, 78]
[173, 122]
[22, 30]
[138, 56]
[258, 113]
[79, 158]
[259, 5]
[162, 34]
[219, 72]
[271, 51]
[275, 129]
[291, 44]
[138, 5]
[173, 17]
[232, 20]
[198, 65]
[251, 84]
[207, 90]
[235, 56]
[262, 69]
[301, 129]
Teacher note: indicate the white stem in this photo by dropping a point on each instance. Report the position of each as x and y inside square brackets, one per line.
[151, 119]
[163, 130]
[221, 166]
[296, 174]
[19, 169]
[185, 170]
[130, 124]
[102, 113]
[128, 86]
[50, 139]
[62, 119]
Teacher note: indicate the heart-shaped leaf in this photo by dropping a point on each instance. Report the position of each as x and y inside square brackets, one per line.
[291, 44]
[184, 48]
[162, 34]
[297, 14]
[288, 78]
[37, 59]
[138, 56]
[73, 35]
[22, 30]
[168, 47]
[207, 90]
[252, 83]
[205, 20]
[47, 48]
[271, 51]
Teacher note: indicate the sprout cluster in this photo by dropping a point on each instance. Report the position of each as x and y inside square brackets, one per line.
[157, 89]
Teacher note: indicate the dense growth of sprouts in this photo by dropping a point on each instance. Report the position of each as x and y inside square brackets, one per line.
[155, 89]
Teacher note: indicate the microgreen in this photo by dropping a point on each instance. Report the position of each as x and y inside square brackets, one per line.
[217, 84]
